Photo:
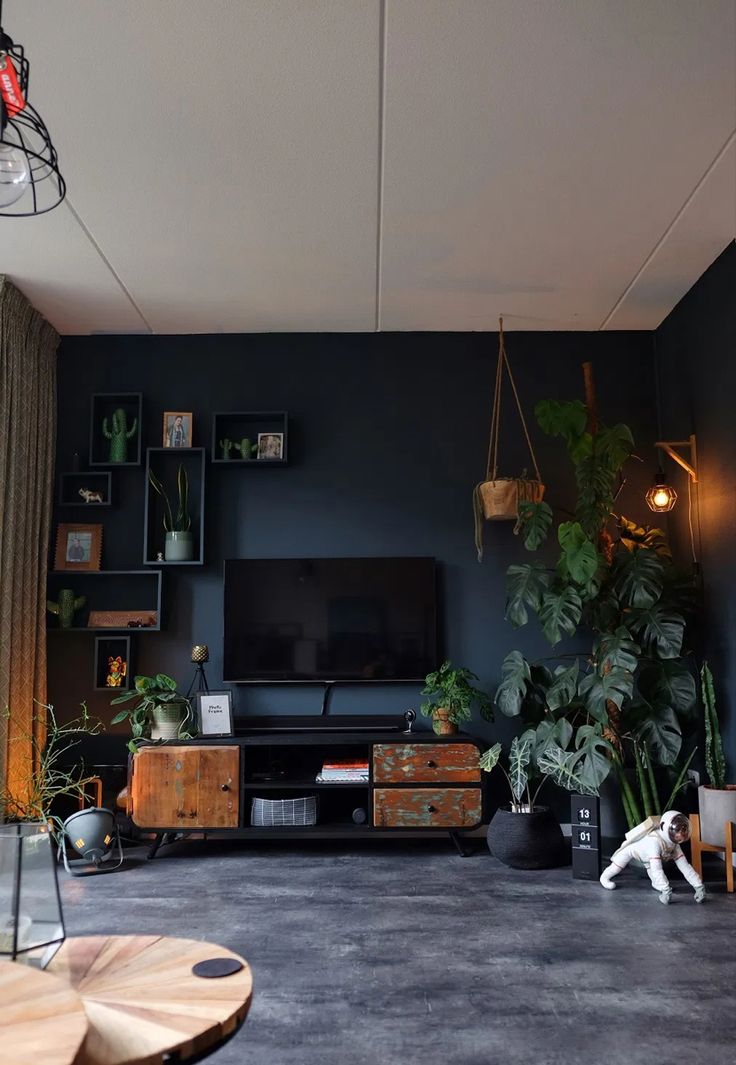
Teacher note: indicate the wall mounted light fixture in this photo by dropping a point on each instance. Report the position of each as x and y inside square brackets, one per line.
[30, 179]
[662, 497]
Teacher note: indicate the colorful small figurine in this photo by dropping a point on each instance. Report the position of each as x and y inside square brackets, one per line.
[656, 840]
[118, 669]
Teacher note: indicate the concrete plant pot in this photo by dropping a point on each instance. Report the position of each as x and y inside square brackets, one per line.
[179, 547]
[167, 719]
[717, 806]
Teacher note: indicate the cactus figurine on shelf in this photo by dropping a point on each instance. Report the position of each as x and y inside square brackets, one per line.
[119, 434]
[66, 606]
[246, 448]
[227, 446]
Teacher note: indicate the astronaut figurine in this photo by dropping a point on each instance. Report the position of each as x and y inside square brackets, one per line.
[654, 841]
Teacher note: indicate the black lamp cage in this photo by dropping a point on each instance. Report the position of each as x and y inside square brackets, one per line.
[31, 918]
[25, 144]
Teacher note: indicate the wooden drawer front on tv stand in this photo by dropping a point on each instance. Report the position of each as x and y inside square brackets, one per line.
[186, 787]
[425, 763]
[426, 807]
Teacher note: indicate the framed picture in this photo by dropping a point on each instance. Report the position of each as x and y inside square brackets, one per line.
[215, 713]
[78, 547]
[178, 428]
[270, 446]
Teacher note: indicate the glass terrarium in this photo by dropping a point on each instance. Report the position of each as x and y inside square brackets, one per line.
[31, 921]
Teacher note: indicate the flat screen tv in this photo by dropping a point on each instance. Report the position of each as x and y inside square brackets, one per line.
[329, 619]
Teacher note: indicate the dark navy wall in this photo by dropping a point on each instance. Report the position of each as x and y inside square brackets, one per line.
[389, 434]
[696, 353]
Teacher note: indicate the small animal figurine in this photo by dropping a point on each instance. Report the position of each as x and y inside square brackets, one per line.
[160, 556]
[656, 840]
[89, 496]
[118, 669]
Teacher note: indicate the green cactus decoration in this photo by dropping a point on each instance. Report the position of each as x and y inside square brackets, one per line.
[227, 446]
[715, 762]
[119, 435]
[66, 607]
[245, 448]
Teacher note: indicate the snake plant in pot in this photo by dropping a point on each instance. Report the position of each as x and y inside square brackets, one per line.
[179, 543]
[716, 799]
[160, 713]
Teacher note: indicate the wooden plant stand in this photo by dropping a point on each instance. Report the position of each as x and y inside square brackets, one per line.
[697, 847]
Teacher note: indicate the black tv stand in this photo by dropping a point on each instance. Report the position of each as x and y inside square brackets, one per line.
[249, 726]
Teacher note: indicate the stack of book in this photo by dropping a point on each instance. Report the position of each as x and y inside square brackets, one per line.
[343, 773]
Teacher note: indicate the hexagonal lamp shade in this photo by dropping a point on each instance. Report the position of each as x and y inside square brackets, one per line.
[31, 919]
[661, 497]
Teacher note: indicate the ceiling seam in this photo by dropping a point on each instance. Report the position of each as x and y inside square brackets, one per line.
[108, 264]
[729, 141]
[380, 160]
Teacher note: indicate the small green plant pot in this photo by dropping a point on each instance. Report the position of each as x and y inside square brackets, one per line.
[179, 547]
[167, 721]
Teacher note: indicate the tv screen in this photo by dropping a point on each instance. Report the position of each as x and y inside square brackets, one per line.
[329, 619]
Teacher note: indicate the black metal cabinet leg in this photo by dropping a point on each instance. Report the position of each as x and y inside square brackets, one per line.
[461, 848]
[158, 842]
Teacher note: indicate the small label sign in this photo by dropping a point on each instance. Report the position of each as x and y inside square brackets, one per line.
[585, 822]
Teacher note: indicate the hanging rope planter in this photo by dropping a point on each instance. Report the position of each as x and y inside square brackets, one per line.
[498, 498]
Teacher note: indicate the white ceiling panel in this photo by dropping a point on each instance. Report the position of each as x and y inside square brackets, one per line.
[309, 165]
[535, 153]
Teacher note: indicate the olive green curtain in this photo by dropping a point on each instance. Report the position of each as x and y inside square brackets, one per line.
[27, 436]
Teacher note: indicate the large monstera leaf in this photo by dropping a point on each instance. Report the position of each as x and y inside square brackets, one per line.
[660, 629]
[560, 613]
[534, 522]
[617, 649]
[567, 419]
[525, 586]
[661, 731]
[596, 763]
[564, 687]
[670, 683]
[516, 676]
[579, 560]
[601, 688]
[638, 578]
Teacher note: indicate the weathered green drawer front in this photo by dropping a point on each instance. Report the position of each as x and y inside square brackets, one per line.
[426, 807]
[394, 763]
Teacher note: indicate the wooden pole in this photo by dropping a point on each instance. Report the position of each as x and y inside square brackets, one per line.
[590, 400]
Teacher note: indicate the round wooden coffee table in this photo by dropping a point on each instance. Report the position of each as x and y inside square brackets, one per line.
[143, 1002]
[42, 1019]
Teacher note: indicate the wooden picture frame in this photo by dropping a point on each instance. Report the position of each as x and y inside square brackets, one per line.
[178, 428]
[270, 446]
[78, 546]
[215, 713]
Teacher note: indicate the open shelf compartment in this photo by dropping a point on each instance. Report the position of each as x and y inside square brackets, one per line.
[165, 462]
[115, 600]
[112, 660]
[250, 438]
[83, 489]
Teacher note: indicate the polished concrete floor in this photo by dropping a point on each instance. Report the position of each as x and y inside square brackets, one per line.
[400, 953]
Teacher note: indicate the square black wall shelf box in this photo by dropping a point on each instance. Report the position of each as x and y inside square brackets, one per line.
[107, 647]
[234, 430]
[115, 600]
[115, 413]
[81, 489]
[164, 461]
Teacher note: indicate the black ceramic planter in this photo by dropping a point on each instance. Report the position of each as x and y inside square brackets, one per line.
[527, 841]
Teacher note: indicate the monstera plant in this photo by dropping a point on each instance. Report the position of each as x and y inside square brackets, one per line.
[628, 699]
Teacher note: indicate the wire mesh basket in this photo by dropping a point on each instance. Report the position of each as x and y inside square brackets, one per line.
[276, 813]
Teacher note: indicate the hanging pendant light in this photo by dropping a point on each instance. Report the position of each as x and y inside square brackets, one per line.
[661, 497]
[30, 180]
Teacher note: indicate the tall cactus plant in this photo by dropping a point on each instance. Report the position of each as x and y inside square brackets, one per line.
[66, 606]
[715, 762]
[119, 434]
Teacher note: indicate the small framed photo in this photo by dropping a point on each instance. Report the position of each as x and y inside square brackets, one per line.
[215, 713]
[78, 547]
[178, 428]
[270, 446]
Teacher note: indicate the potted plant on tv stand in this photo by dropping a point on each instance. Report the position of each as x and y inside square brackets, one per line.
[161, 712]
[452, 698]
[716, 799]
[179, 543]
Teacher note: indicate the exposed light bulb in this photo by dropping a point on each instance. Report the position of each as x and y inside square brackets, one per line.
[15, 174]
[661, 497]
